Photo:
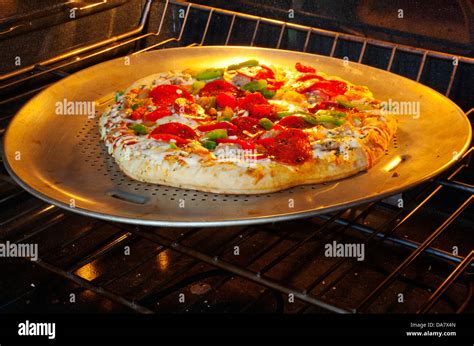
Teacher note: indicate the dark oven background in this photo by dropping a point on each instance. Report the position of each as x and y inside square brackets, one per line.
[418, 252]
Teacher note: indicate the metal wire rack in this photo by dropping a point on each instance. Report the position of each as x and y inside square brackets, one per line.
[276, 262]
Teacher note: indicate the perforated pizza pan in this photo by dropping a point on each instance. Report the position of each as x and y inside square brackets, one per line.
[60, 158]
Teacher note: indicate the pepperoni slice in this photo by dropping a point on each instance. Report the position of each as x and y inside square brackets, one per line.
[304, 68]
[294, 121]
[226, 100]
[262, 111]
[257, 105]
[262, 72]
[331, 88]
[165, 95]
[231, 128]
[246, 145]
[309, 76]
[166, 137]
[325, 105]
[177, 129]
[248, 124]
[290, 146]
[218, 87]
[158, 114]
[138, 113]
[274, 85]
[250, 100]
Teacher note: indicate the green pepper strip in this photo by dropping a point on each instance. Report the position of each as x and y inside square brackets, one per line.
[318, 119]
[223, 118]
[333, 113]
[117, 95]
[256, 85]
[247, 63]
[217, 133]
[210, 145]
[267, 124]
[198, 85]
[285, 114]
[268, 94]
[210, 73]
[139, 129]
[136, 105]
[348, 104]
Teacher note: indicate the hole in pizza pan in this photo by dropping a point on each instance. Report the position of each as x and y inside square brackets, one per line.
[127, 196]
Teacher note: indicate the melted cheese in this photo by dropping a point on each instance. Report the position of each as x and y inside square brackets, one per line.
[178, 119]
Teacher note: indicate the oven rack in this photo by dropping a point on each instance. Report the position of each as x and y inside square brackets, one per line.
[37, 218]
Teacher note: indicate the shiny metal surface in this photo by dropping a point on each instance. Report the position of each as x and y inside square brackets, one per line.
[60, 159]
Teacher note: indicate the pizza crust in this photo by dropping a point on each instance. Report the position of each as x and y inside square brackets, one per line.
[230, 178]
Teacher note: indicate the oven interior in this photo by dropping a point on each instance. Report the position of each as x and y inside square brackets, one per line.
[418, 245]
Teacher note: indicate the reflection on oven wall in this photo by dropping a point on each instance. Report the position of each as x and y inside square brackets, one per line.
[32, 31]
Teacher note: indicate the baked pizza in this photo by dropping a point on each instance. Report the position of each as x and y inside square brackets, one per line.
[247, 128]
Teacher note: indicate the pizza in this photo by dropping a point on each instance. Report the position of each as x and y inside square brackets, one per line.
[247, 128]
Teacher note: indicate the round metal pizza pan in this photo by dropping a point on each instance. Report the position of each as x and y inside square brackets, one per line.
[60, 159]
